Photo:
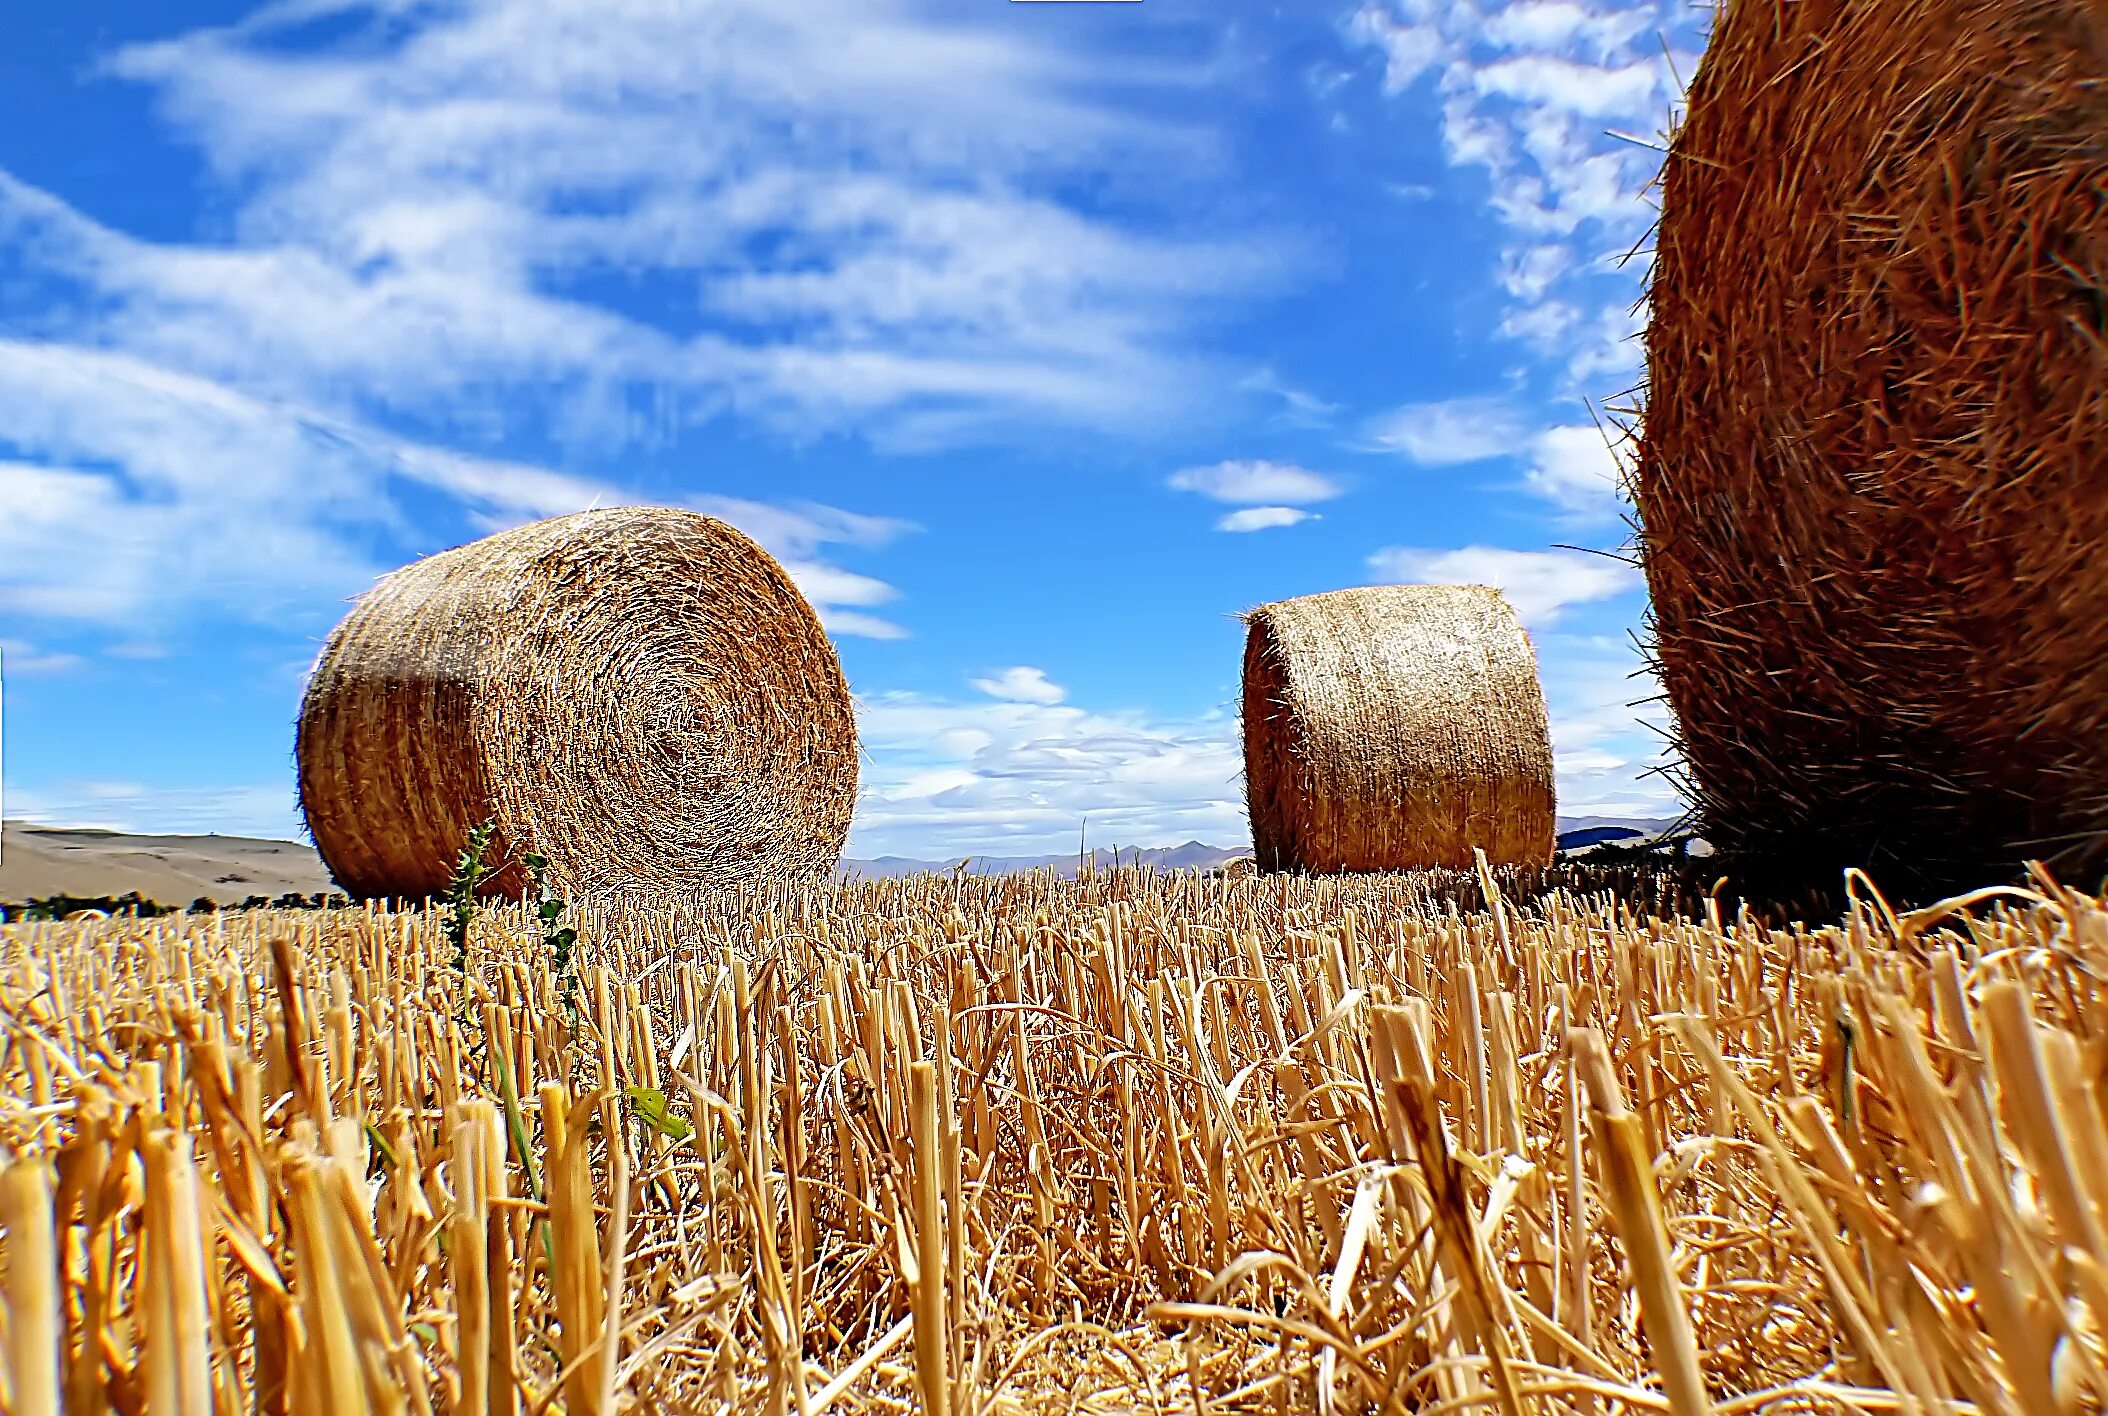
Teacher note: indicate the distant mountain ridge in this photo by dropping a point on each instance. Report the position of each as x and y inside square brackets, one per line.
[36, 861]
[1193, 855]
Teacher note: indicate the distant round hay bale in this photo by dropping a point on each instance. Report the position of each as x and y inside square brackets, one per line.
[1394, 727]
[639, 694]
[1873, 471]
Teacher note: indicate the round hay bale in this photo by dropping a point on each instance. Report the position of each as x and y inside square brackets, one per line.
[1873, 469]
[639, 694]
[1394, 728]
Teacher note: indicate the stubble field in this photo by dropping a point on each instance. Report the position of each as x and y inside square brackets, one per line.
[1130, 1143]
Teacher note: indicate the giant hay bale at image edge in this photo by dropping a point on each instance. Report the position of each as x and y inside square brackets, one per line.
[1873, 466]
[639, 694]
[1395, 727]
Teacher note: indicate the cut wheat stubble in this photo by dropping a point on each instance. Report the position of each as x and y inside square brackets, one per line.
[1138, 1142]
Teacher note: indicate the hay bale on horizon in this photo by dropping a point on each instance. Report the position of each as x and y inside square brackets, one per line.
[1873, 469]
[1395, 727]
[639, 694]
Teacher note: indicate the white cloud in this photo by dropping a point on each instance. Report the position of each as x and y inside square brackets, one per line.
[138, 477]
[1571, 465]
[1541, 585]
[1576, 467]
[1562, 24]
[830, 585]
[1450, 432]
[1546, 324]
[1609, 729]
[1022, 684]
[423, 225]
[19, 656]
[944, 778]
[1529, 271]
[1264, 518]
[426, 220]
[138, 481]
[831, 588]
[1252, 482]
[1609, 344]
[859, 624]
[1532, 93]
[1570, 86]
[1410, 48]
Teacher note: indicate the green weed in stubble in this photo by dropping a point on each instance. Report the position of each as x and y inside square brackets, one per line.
[470, 870]
[557, 937]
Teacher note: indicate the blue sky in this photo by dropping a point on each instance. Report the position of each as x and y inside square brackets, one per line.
[1037, 340]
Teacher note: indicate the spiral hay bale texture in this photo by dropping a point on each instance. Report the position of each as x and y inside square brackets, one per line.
[1394, 727]
[1873, 470]
[639, 694]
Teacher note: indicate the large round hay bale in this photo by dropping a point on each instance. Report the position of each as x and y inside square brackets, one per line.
[1394, 727]
[639, 694]
[1873, 471]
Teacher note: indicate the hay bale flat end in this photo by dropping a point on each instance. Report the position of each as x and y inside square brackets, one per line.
[1395, 727]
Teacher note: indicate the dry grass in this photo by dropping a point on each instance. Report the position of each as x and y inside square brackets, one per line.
[1128, 1144]
[638, 694]
[1395, 727]
[1871, 465]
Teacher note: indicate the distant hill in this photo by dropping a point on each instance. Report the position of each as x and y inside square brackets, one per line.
[1644, 825]
[40, 861]
[1584, 837]
[37, 862]
[1598, 835]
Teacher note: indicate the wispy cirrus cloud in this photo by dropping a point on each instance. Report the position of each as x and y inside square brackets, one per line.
[19, 656]
[267, 811]
[135, 481]
[435, 231]
[1299, 408]
[1449, 432]
[1268, 495]
[438, 208]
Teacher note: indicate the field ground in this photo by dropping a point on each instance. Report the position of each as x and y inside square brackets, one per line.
[37, 862]
[1134, 1143]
